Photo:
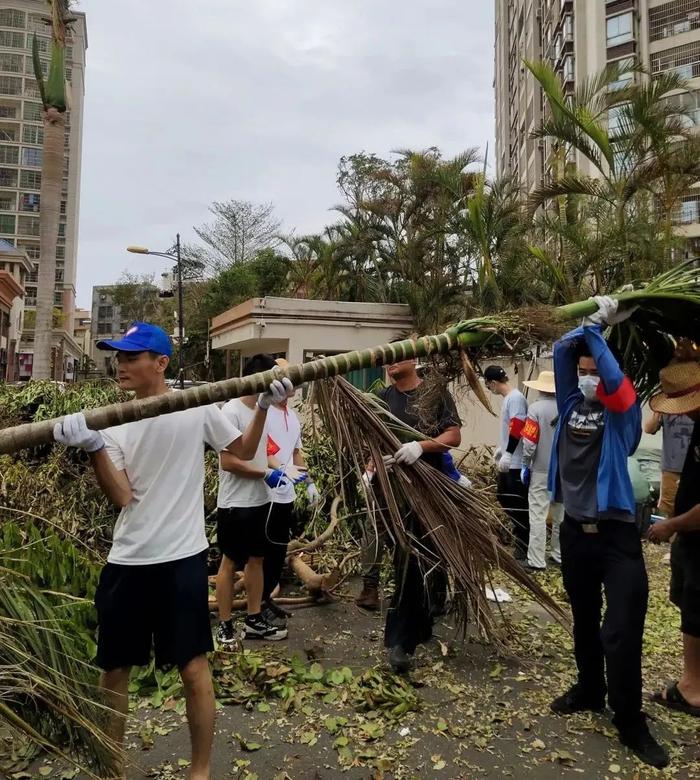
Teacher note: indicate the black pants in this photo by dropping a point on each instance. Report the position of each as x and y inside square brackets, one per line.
[419, 589]
[277, 534]
[610, 561]
[512, 496]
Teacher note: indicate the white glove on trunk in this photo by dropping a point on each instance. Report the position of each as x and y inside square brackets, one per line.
[607, 313]
[73, 432]
[279, 390]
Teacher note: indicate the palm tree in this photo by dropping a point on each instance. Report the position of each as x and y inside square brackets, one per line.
[643, 157]
[54, 99]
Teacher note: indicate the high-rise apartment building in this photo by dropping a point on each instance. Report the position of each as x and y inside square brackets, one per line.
[578, 38]
[21, 138]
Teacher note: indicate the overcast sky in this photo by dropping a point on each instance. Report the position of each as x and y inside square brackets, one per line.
[191, 102]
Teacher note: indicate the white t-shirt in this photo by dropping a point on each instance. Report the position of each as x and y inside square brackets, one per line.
[163, 458]
[236, 491]
[283, 437]
[514, 405]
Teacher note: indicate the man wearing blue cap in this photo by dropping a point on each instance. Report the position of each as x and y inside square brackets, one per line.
[153, 592]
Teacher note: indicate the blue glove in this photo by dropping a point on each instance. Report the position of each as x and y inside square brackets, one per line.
[525, 476]
[449, 468]
[275, 478]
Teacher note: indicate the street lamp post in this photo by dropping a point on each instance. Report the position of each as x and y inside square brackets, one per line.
[177, 257]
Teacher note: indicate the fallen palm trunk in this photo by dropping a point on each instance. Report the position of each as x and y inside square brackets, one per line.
[316, 584]
[424, 511]
[669, 308]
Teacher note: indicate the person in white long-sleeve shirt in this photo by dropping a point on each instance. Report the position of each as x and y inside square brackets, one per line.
[538, 437]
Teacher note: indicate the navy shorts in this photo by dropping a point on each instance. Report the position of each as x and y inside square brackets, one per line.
[242, 533]
[161, 606]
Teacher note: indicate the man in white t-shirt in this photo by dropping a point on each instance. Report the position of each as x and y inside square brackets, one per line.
[284, 452]
[243, 519]
[512, 494]
[153, 592]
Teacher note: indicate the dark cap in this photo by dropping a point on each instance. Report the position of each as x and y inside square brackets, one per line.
[495, 374]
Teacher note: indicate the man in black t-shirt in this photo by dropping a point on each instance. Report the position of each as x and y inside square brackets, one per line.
[410, 616]
[680, 383]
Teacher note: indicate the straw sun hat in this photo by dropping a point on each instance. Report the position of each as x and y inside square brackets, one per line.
[544, 382]
[680, 386]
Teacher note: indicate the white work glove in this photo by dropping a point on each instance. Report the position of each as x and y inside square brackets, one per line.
[465, 482]
[497, 456]
[408, 453]
[607, 313]
[504, 462]
[279, 390]
[312, 494]
[73, 432]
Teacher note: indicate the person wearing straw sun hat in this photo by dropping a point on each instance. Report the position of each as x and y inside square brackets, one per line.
[538, 437]
[680, 394]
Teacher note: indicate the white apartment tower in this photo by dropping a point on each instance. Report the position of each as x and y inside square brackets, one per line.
[578, 38]
[21, 137]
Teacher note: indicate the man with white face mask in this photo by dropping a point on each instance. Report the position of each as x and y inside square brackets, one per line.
[599, 428]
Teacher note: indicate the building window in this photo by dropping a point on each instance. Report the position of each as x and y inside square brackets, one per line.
[105, 313]
[9, 155]
[7, 203]
[33, 112]
[62, 229]
[622, 81]
[57, 298]
[31, 89]
[673, 19]
[32, 157]
[60, 253]
[29, 202]
[684, 60]
[7, 223]
[10, 85]
[616, 119]
[31, 134]
[28, 226]
[619, 29]
[11, 18]
[43, 43]
[59, 274]
[33, 275]
[32, 250]
[8, 177]
[8, 112]
[11, 63]
[30, 180]
[11, 40]
[568, 28]
[568, 68]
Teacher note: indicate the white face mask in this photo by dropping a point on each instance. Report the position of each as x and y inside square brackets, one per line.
[588, 385]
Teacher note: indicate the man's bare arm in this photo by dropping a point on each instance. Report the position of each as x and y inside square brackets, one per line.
[112, 481]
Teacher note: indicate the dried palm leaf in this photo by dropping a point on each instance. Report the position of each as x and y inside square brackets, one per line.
[456, 528]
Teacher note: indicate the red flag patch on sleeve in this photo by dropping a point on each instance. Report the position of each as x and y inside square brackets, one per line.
[272, 446]
[621, 400]
[516, 427]
[531, 430]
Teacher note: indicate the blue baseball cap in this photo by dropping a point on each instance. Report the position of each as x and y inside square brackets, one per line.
[141, 337]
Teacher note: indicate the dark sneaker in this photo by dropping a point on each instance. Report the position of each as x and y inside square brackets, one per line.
[273, 618]
[225, 635]
[369, 598]
[400, 660]
[639, 740]
[256, 627]
[574, 700]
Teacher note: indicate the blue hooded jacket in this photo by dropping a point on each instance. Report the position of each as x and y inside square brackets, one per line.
[622, 416]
